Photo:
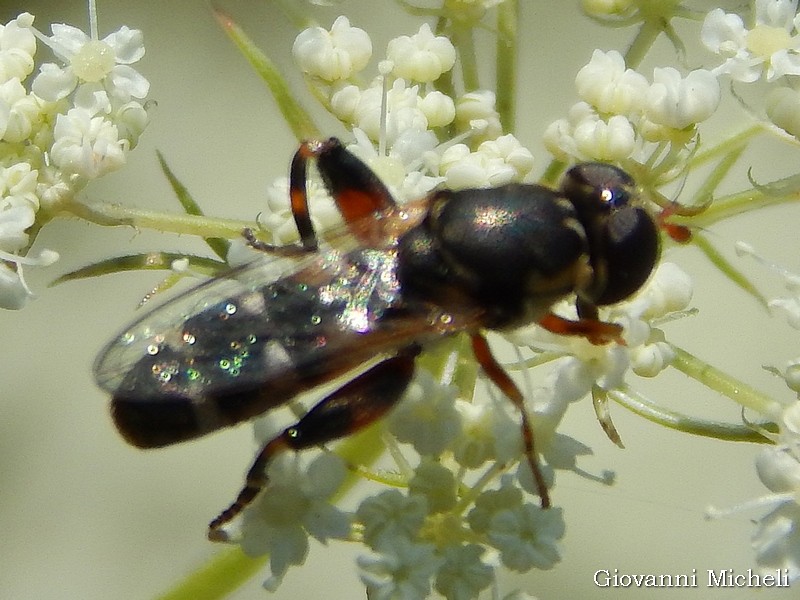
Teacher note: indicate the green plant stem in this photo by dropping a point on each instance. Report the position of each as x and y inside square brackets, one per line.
[555, 168]
[727, 268]
[106, 214]
[725, 147]
[296, 14]
[735, 204]
[727, 385]
[654, 413]
[293, 113]
[506, 59]
[465, 45]
[705, 192]
[224, 573]
[644, 39]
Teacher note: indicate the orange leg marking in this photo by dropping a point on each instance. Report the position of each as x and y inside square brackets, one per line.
[597, 332]
[495, 372]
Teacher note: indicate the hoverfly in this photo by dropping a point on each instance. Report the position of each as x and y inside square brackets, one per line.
[452, 262]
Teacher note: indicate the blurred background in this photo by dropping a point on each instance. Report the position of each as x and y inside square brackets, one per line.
[83, 515]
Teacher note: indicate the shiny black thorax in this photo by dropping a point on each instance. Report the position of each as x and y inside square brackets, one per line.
[516, 249]
[511, 250]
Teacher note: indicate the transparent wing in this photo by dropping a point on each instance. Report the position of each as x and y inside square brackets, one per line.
[251, 330]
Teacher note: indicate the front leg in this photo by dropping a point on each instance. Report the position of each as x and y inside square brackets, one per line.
[596, 331]
[352, 407]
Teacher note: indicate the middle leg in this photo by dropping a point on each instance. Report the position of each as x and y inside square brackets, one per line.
[352, 407]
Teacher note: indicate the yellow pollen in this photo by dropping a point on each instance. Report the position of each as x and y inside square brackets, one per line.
[93, 61]
[764, 41]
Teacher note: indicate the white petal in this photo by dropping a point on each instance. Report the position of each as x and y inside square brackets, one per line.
[783, 62]
[68, 40]
[723, 33]
[13, 293]
[54, 83]
[93, 98]
[776, 13]
[128, 44]
[128, 82]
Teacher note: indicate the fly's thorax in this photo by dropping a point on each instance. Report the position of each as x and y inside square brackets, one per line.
[512, 250]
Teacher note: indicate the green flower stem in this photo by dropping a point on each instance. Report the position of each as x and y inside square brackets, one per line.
[555, 168]
[106, 214]
[222, 575]
[296, 14]
[705, 192]
[295, 115]
[725, 384]
[644, 407]
[733, 205]
[218, 245]
[464, 374]
[722, 149]
[727, 269]
[465, 46]
[360, 450]
[643, 41]
[506, 58]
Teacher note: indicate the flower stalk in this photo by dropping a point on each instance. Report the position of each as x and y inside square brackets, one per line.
[724, 383]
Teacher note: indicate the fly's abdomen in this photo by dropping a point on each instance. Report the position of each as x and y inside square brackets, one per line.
[238, 358]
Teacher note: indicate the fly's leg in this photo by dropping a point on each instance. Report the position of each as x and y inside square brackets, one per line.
[256, 244]
[298, 198]
[590, 327]
[495, 372]
[352, 407]
[355, 188]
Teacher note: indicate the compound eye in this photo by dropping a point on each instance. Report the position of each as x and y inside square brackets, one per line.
[623, 238]
[598, 187]
[630, 253]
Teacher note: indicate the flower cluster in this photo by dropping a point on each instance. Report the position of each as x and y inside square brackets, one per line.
[622, 116]
[72, 121]
[465, 504]
[776, 538]
[768, 50]
[451, 522]
[398, 120]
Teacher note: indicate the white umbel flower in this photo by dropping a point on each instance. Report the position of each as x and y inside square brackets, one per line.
[783, 109]
[17, 48]
[87, 145]
[495, 162]
[19, 111]
[332, 55]
[400, 570]
[607, 85]
[86, 60]
[611, 140]
[476, 112]
[421, 57]
[680, 102]
[771, 46]
[294, 506]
